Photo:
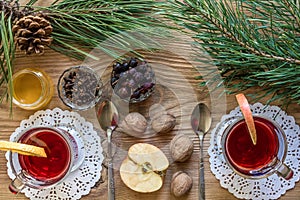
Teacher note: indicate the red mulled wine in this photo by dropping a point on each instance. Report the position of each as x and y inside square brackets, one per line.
[57, 163]
[243, 155]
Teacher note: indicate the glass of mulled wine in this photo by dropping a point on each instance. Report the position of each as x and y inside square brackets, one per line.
[257, 161]
[37, 172]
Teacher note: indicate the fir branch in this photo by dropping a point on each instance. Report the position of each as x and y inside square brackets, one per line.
[253, 43]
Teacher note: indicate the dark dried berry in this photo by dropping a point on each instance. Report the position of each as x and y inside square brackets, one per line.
[133, 62]
[148, 85]
[143, 67]
[123, 92]
[131, 83]
[136, 74]
[123, 74]
[117, 67]
[132, 71]
[138, 77]
[123, 83]
[136, 94]
[125, 66]
[149, 75]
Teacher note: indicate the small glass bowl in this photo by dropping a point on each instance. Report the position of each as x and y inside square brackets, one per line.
[133, 80]
[32, 89]
[79, 87]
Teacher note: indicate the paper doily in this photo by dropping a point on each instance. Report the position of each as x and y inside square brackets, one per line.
[80, 181]
[268, 188]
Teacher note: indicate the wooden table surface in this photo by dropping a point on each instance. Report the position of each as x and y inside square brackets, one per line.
[177, 91]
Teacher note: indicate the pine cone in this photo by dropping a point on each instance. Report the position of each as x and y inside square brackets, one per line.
[32, 33]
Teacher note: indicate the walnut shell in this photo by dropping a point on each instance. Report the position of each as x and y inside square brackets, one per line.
[181, 148]
[134, 124]
[163, 123]
[181, 184]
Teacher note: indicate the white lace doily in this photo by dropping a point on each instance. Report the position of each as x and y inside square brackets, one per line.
[81, 180]
[268, 188]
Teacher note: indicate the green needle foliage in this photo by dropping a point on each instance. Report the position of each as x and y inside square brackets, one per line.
[254, 43]
[81, 25]
[7, 52]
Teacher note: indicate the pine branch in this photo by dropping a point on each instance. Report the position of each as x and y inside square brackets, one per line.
[81, 26]
[253, 43]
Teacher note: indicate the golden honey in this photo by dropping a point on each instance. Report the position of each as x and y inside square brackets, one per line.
[32, 89]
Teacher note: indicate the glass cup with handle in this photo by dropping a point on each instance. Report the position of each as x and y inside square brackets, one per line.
[260, 160]
[63, 157]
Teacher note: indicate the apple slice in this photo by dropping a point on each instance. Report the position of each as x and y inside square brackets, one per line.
[144, 167]
[23, 149]
[246, 111]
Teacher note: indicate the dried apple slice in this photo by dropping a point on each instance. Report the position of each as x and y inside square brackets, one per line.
[144, 167]
[23, 149]
[246, 111]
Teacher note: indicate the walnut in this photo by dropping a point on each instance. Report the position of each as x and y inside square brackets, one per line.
[181, 183]
[163, 123]
[181, 148]
[134, 124]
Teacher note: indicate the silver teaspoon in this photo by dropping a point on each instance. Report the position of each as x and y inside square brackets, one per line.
[201, 122]
[107, 115]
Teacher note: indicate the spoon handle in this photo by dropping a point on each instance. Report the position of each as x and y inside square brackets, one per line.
[201, 171]
[201, 177]
[111, 182]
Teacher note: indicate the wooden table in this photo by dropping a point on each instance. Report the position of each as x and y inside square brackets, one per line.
[177, 91]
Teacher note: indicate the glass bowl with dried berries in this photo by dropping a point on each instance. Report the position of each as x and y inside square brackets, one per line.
[133, 80]
[79, 87]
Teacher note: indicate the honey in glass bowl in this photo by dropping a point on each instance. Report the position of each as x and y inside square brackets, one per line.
[32, 89]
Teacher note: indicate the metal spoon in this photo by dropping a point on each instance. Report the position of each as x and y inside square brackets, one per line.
[107, 115]
[201, 122]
